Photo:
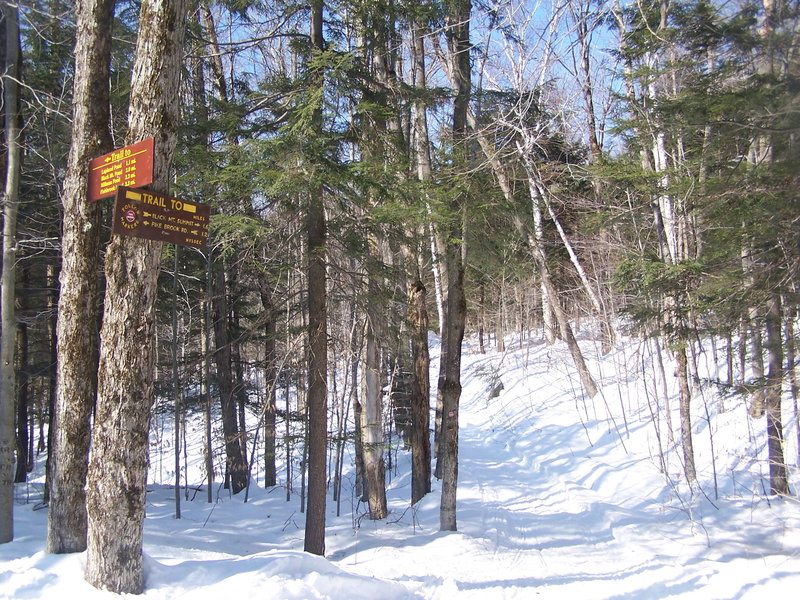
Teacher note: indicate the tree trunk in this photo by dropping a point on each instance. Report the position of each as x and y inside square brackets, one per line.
[458, 35]
[685, 398]
[551, 308]
[23, 408]
[78, 305]
[758, 400]
[372, 428]
[589, 385]
[270, 381]
[118, 464]
[8, 322]
[791, 368]
[450, 391]
[239, 388]
[316, 237]
[205, 385]
[535, 183]
[176, 387]
[420, 393]
[778, 479]
[422, 156]
[236, 461]
[52, 303]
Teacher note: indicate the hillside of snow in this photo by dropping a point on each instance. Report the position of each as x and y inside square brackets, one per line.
[559, 496]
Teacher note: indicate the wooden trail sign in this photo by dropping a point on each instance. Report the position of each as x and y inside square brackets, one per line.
[131, 166]
[143, 214]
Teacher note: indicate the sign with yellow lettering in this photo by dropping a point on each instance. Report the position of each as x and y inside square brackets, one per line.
[131, 166]
[143, 214]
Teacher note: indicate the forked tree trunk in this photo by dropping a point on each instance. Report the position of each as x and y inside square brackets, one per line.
[118, 464]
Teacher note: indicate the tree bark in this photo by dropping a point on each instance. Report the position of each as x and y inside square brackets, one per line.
[762, 152]
[205, 385]
[372, 427]
[271, 381]
[685, 398]
[52, 303]
[422, 155]
[420, 393]
[778, 479]
[78, 307]
[118, 464]
[458, 34]
[23, 408]
[791, 369]
[239, 388]
[8, 317]
[236, 462]
[316, 237]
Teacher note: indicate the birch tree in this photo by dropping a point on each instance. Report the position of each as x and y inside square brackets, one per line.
[524, 130]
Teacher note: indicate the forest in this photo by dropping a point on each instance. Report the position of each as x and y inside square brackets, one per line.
[380, 171]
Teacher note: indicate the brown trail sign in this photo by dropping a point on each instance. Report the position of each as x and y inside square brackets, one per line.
[143, 214]
[131, 166]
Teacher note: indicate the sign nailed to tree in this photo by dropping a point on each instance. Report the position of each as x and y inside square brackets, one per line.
[131, 166]
[143, 214]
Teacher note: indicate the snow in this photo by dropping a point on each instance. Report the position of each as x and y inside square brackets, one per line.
[559, 496]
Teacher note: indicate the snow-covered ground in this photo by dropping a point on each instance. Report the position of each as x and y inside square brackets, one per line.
[559, 497]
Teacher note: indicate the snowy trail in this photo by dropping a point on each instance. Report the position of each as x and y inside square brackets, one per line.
[554, 505]
[558, 497]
